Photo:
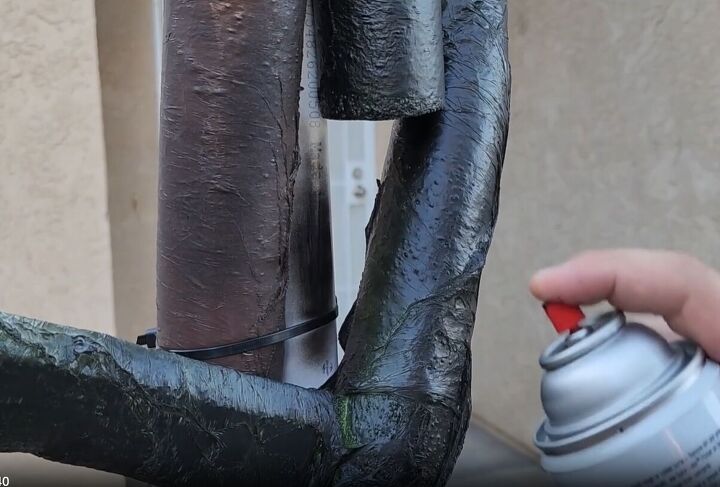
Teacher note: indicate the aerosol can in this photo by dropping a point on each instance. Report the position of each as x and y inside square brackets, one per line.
[626, 408]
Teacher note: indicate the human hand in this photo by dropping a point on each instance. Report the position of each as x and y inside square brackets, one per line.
[676, 286]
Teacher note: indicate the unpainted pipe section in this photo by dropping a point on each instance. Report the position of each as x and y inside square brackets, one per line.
[312, 358]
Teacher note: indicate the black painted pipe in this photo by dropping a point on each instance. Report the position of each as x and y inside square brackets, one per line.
[84, 398]
[379, 59]
[405, 377]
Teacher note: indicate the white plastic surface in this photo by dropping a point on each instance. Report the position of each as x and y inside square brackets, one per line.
[353, 186]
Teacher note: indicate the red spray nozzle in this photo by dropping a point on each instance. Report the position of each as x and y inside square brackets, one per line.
[563, 316]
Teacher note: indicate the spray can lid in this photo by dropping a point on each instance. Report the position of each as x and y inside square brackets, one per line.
[603, 372]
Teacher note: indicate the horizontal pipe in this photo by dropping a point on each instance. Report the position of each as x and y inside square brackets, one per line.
[85, 398]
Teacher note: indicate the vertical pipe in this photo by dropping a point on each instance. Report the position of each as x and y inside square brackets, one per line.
[380, 59]
[229, 120]
[310, 359]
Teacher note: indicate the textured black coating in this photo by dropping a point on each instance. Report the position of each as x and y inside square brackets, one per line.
[405, 378]
[231, 83]
[84, 398]
[379, 59]
[397, 410]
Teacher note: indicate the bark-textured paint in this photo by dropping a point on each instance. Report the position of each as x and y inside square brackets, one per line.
[397, 409]
[405, 379]
[85, 398]
[228, 158]
[379, 59]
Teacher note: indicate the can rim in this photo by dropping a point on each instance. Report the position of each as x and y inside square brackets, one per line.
[593, 333]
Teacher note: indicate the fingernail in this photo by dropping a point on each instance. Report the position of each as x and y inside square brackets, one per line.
[543, 273]
[539, 280]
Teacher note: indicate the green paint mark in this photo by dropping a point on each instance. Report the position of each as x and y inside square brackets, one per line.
[344, 413]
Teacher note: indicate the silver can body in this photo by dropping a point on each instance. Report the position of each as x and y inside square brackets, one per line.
[626, 408]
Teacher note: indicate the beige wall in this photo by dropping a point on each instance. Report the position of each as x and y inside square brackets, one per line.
[53, 186]
[55, 258]
[614, 141]
[129, 93]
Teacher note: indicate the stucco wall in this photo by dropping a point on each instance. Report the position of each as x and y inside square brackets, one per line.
[614, 141]
[126, 46]
[55, 242]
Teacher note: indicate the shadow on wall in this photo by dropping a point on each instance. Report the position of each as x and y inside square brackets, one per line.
[126, 39]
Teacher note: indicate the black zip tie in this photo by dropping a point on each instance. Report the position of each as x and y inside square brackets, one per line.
[149, 339]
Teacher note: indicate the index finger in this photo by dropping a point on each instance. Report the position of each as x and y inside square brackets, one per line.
[678, 287]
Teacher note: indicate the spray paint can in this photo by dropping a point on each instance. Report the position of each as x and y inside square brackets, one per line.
[626, 408]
